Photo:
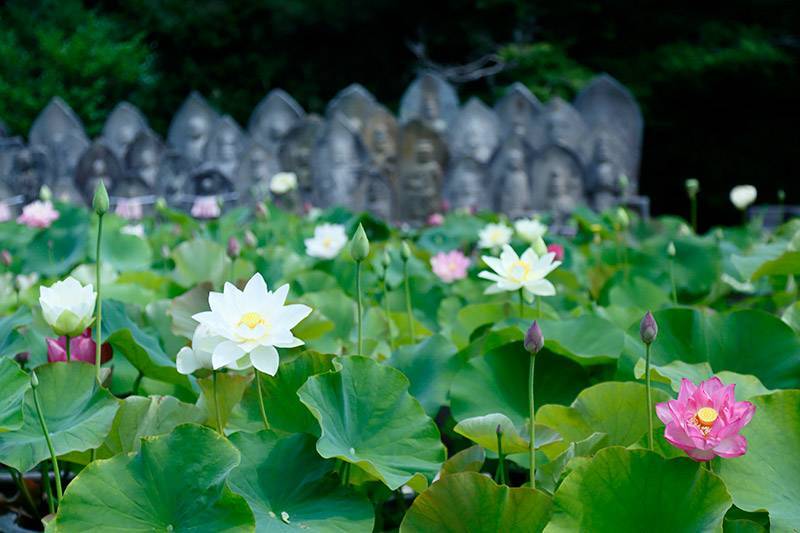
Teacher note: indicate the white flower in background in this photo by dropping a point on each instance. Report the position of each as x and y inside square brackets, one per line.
[200, 354]
[137, 230]
[512, 272]
[283, 182]
[26, 281]
[327, 242]
[530, 229]
[742, 196]
[68, 306]
[252, 324]
[494, 236]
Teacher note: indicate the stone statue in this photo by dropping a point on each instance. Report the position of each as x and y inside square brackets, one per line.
[295, 152]
[143, 158]
[604, 176]
[520, 113]
[225, 147]
[173, 174]
[354, 105]
[610, 111]
[121, 128]
[338, 167]
[192, 127]
[475, 132]
[563, 126]
[9, 148]
[557, 182]
[98, 163]
[209, 181]
[430, 99]
[511, 179]
[380, 138]
[59, 132]
[272, 119]
[29, 172]
[423, 156]
[465, 184]
[254, 173]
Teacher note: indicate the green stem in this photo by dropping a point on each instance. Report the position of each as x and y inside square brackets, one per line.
[69, 348]
[694, 213]
[51, 506]
[532, 424]
[216, 402]
[386, 310]
[359, 308]
[98, 325]
[137, 383]
[23, 488]
[53, 457]
[649, 397]
[346, 478]
[261, 406]
[409, 312]
[521, 303]
[501, 464]
[672, 280]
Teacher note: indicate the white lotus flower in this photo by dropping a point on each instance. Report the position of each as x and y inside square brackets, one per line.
[530, 229]
[199, 355]
[494, 236]
[743, 195]
[327, 242]
[528, 272]
[283, 182]
[68, 306]
[252, 323]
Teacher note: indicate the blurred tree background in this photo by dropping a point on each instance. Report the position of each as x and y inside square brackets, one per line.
[717, 81]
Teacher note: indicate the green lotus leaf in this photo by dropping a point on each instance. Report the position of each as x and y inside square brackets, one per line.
[367, 417]
[673, 372]
[791, 316]
[229, 389]
[55, 250]
[284, 411]
[469, 501]
[200, 260]
[768, 475]
[123, 252]
[468, 460]
[176, 482]
[587, 339]
[483, 430]
[181, 309]
[77, 411]
[549, 474]
[291, 488]
[14, 383]
[621, 490]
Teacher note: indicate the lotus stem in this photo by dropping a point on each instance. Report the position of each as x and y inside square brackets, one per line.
[359, 308]
[501, 464]
[69, 348]
[53, 456]
[672, 281]
[98, 326]
[23, 488]
[693, 201]
[409, 311]
[649, 397]
[261, 406]
[48, 489]
[532, 424]
[216, 402]
[521, 303]
[386, 311]
[137, 383]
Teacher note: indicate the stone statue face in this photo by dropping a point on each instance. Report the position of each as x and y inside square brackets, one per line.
[99, 168]
[340, 151]
[516, 160]
[147, 158]
[381, 140]
[198, 128]
[126, 134]
[424, 151]
[276, 125]
[226, 144]
[559, 128]
[430, 106]
[259, 161]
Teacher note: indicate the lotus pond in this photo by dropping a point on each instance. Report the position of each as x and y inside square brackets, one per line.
[263, 371]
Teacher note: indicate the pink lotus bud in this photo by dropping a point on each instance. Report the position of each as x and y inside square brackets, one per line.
[82, 348]
[556, 249]
[234, 248]
[435, 219]
[250, 239]
[534, 340]
[648, 329]
[5, 257]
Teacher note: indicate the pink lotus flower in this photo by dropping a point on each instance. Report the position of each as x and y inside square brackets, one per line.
[82, 348]
[129, 208]
[5, 212]
[556, 249]
[705, 420]
[435, 219]
[38, 214]
[205, 207]
[450, 266]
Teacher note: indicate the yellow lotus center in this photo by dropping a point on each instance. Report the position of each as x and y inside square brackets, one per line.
[497, 235]
[706, 416]
[519, 270]
[326, 242]
[251, 320]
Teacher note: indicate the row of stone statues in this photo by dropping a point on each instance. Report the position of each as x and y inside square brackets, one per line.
[520, 157]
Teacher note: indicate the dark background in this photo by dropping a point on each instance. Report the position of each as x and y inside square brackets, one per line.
[717, 81]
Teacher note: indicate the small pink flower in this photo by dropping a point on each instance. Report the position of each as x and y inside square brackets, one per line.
[436, 219]
[129, 208]
[556, 249]
[450, 266]
[5, 212]
[82, 348]
[705, 420]
[205, 207]
[38, 214]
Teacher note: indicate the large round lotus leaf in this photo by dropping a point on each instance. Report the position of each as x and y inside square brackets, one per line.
[175, 483]
[289, 487]
[472, 502]
[621, 490]
[498, 383]
[77, 411]
[284, 411]
[367, 417]
[13, 384]
[229, 390]
[200, 260]
[768, 475]
[587, 339]
[483, 430]
[58, 248]
[122, 251]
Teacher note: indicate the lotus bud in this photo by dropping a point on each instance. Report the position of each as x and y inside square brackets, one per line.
[648, 329]
[34, 379]
[624, 182]
[405, 251]
[781, 196]
[622, 217]
[5, 257]
[161, 203]
[671, 249]
[794, 244]
[45, 194]
[234, 248]
[539, 247]
[387, 259]
[250, 239]
[165, 251]
[692, 187]
[261, 211]
[359, 245]
[499, 431]
[100, 200]
[534, 340]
